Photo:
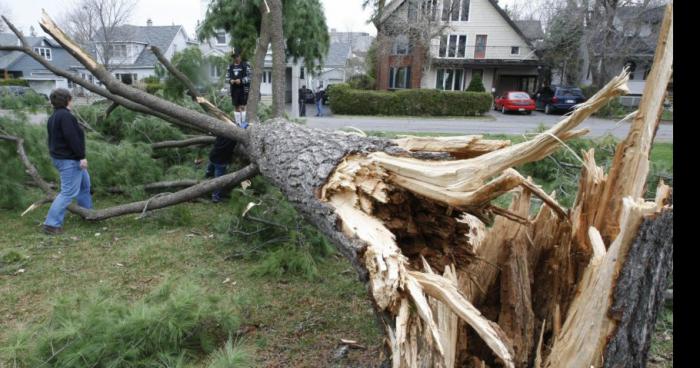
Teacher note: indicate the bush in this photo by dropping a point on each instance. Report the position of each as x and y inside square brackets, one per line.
[173, 326]
[152, 88]
[614, 109]
[411, 102]
[14, 82]
[364, 82]
[30, 101]
[589, 91]
[476, 85]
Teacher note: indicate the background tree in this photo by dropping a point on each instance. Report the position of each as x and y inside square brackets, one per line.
[303, 34]
[189, 61]
[5, 11]
[96, 22]
[476, 85]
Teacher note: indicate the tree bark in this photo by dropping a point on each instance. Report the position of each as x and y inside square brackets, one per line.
[279, 58]
[259, 66]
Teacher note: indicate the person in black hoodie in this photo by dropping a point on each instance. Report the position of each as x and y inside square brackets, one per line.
[67, 150]
[219, 158]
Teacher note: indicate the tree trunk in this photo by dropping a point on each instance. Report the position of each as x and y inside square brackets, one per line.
[279, 58]
[259, 66]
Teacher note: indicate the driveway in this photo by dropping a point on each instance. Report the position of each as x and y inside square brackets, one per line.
[492, 123]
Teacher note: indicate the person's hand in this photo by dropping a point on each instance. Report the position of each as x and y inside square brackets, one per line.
[231, 81]
[237, 81]
[83, 164]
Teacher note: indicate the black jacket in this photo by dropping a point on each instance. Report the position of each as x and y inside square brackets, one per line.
[222, 153]
[66, 137]
[241, 71]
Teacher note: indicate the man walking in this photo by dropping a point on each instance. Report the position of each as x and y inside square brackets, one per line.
[318, 96]
[238, 77]
[303, 92]
[67, 150]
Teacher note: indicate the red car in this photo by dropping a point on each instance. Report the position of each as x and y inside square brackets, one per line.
[515, 101]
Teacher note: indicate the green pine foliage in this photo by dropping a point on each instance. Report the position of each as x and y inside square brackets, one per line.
[304, 25]
[188, 61]
[30, 101]
[177, 325]
[476, 84]
[232, 355]
[273, 232]
[411, 102]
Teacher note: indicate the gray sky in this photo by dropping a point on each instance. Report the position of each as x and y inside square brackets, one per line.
[343, 15]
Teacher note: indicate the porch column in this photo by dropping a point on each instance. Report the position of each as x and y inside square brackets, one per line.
[296, 73]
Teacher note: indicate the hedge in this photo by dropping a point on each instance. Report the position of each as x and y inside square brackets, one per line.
[14, 82]
[411, 102]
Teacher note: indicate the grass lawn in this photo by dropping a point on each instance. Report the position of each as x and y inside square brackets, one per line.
[290, 322]
[286, 322]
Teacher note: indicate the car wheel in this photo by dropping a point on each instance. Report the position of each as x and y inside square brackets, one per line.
[547, 110]
[503, 109]
[528, 112]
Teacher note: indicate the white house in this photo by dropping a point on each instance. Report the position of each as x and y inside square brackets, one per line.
[475, 37]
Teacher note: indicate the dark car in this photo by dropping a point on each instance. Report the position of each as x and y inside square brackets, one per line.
[309, 96]
[514, 101]
[558, 98]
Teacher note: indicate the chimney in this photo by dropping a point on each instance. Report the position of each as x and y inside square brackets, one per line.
[149, 22]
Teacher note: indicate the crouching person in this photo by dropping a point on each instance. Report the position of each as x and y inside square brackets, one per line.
[67, 150]
[219, 158]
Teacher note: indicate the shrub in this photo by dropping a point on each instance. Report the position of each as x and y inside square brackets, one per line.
[589, 91]
[362, 81]
[31, 101]
[172, 325]
[151, 79]
[14, 82]
[412, 102]
[476, 85]
[152, 88]
[614, 109]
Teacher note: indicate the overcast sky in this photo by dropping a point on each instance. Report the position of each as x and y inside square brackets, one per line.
[343, 15]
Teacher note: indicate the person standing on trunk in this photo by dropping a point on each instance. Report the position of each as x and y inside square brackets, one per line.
[67, 149]
[238, 76]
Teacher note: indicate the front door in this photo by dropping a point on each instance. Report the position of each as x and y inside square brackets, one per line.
[480, 49]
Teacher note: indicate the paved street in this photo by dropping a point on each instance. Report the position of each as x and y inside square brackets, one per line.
[492, 123]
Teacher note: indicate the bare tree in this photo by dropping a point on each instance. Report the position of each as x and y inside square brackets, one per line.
[5, 12]
[97, 22]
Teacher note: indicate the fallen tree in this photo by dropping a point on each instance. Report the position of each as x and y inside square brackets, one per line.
[455, 280]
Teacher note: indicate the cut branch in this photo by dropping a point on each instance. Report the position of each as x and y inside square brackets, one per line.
[196, 141]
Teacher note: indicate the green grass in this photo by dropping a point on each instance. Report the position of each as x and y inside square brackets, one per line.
[289, 321]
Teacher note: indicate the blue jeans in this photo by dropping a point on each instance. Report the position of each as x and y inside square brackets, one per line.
[219, 170]
[75, 184]
[319, 107]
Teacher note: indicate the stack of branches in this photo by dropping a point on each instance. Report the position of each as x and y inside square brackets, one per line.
[455, 280]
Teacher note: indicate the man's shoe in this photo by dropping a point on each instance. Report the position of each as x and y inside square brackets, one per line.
[51, 230]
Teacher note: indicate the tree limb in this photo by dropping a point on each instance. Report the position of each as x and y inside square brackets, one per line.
[191, 90]
[203, 140]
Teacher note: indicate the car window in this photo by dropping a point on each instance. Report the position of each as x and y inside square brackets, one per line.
[518, 96]
[575, 92]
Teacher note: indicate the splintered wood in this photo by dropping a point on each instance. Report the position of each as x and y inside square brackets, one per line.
[462, 293]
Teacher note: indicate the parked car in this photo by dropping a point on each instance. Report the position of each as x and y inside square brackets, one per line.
[558, 98]
[309, 98]
[515, 101]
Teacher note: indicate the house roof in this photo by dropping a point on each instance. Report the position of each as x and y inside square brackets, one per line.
[159, 36]
[9, 58]
[648, 15]
[395, 4]
[338, 54]
[532, 29]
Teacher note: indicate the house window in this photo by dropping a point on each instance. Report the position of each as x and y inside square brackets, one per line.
[455, 10]
[267, 77]
[515, 50]
[214, 71]
[412, 11]
[302, 75]
[45, 52]
[449, 79]
[632, 67]
[429, 9]
[220, 38]
[129, 78]
[118, 51]
[453, 46]
[402, 46]
[400, 78]
[480, 48]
